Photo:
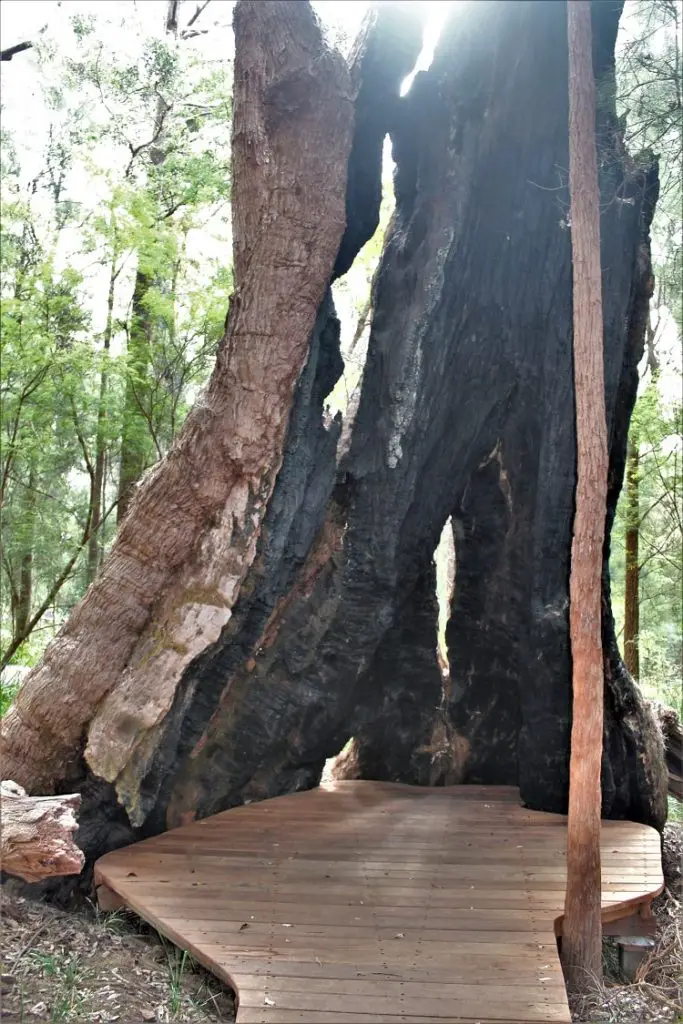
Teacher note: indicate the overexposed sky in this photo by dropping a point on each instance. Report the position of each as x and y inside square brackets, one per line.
[24, 111]
[26, 117]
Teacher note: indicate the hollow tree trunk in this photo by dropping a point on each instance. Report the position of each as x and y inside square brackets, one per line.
[329, 627]
[632, 585]
[468, 382]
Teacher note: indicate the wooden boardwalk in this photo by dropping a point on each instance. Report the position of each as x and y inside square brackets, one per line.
[375, 902]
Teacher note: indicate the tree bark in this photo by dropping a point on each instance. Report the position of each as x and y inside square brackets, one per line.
[672, 733]
[12, 51]
[327, 629]
[582, 923]
[632, 586]
[291, 139]
[36, 838]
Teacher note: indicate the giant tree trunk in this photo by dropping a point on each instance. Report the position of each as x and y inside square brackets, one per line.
[231, 647]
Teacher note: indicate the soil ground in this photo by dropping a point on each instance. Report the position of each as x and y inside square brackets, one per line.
[90, 968]
[100, 969]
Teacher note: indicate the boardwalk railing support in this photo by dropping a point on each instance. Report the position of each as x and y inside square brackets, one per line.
[632, 951]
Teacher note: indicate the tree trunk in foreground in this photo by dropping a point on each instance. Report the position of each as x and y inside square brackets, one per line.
[326, 627]
[582, 923]
[178, 562]
[632, 583]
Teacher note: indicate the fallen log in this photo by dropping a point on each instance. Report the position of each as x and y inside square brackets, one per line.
[36, 834]
[672, 733]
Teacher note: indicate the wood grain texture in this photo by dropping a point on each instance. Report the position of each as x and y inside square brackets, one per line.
[582, 945]
[37, 834]
[373, 901]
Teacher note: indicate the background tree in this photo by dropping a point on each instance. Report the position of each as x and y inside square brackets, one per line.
[102, 205]
[647, 539]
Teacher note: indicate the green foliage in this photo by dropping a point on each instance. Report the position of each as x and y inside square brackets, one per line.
[650, 92]
[656, 428]
[8, 692]
[111, 311]
[650, 98]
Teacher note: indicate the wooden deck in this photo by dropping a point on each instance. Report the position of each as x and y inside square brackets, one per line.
[374, 902]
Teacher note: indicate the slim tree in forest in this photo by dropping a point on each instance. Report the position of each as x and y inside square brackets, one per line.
[582, 929]
[135, 440]
[632, 546]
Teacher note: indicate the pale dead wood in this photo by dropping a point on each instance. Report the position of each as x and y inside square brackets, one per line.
[672, 734]
[36, 834]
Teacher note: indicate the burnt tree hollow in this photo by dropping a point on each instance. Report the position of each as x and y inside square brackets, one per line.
[465, 412]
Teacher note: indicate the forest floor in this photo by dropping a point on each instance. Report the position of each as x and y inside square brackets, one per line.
[100, 969]
[656, 996]
[106, 968]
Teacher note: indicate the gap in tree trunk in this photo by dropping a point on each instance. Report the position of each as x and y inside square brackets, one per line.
[356, 322]
[445, 558]
[334, 766]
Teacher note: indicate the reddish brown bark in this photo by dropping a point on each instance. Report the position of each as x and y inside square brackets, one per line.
[182, 553]
[632, 587]
[582, 927]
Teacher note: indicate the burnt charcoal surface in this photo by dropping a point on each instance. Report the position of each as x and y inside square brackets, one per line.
[466, 410]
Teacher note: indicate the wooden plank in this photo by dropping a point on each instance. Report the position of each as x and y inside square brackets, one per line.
[377, 902]
[488, 967]
[396, 989]
[523, 1007]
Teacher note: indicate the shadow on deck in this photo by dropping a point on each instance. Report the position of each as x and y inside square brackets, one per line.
[377, 902]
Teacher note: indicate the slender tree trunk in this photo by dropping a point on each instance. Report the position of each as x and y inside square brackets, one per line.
[97, 482]
[135, 438]
[582, 926]
[23, 598]
[632, 587]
